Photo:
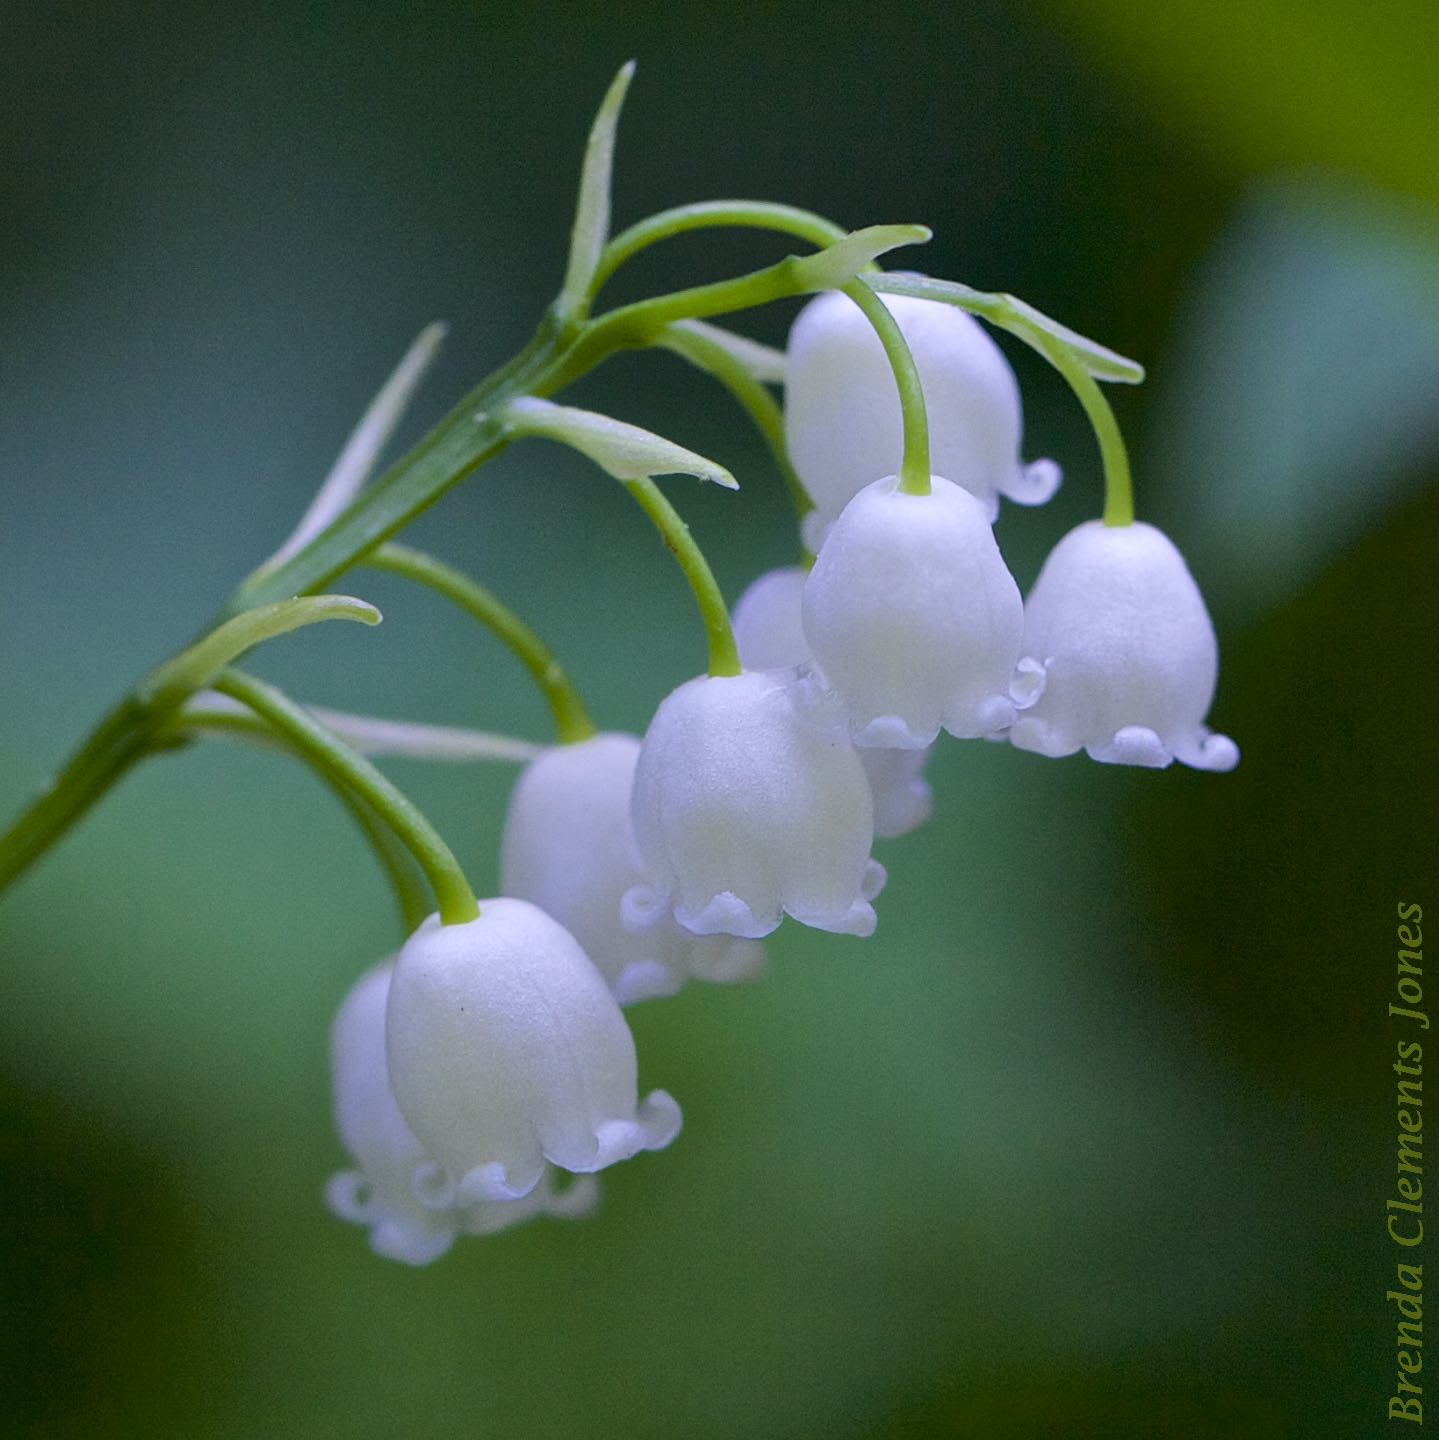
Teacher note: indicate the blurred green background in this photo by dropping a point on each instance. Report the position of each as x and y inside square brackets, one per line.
[1094, 1138]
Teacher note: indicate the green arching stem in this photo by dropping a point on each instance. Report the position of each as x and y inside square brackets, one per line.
[333, 758]
[1080, 361]
[723, 653]
[638, 325]
[754, 399]
[1118, 486]
[914, 473]
[710, 215]
[572, 722]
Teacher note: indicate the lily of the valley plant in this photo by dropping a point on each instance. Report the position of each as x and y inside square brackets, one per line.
[486, 1072]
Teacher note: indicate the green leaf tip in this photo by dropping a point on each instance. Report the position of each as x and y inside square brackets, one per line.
[196, 667]
[592, 209]
[624, 451]
[836, 265]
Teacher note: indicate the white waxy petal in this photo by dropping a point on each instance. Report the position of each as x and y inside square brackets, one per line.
[378, 1192]
[507, 1050]
[770, 636]
[744, 813]
[903, 800]
[914, 620]
[1129, 652]
[766, 623]
[569, 848]
[842, 415]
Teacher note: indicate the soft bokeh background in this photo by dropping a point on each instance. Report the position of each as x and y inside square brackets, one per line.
[1094, 1138]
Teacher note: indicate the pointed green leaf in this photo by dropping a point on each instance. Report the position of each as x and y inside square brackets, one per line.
[196, 667]
[356, 462]
[592, 210]
[836, 265]
[368, 734]
[625, 451]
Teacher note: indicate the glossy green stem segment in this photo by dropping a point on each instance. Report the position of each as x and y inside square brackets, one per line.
[723, 653]
[914, 473]
[334, 759]
[753, 398]
[572, 721]
[1118, 485]
[712, 215]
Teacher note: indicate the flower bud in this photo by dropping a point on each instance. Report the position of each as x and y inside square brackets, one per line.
[915, 621]
[842, 415]
[744, 812]
[569, 848]
[378, 1194]
[769, 635]
[1129, 653]
[506, 1050]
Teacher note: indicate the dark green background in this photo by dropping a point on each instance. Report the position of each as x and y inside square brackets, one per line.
[1094, 1137]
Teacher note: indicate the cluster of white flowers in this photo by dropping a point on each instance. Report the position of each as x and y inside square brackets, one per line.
[493, 1055]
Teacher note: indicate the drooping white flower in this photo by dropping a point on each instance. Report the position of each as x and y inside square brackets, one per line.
[378, 1193]
[569, 848]
[744, 813]
[770, 636]
[507, 1050]
[842, 415]
[1129, 653]
[914, 620]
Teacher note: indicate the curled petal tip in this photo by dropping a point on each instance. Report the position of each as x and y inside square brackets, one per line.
[891, 732]
[347, 1198]
[1028, 683]
[1133, 745]
[1212, 752]
[1035, 483]
[493, 1182]
[659, 1115]
[726, 914]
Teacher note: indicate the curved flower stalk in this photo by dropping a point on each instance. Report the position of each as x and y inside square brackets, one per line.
[569, 848]
[770, 636]
[1129, 652]
[378, 1193]
[843, 419]
[507, 1052]
[744, 813]
[914, 620]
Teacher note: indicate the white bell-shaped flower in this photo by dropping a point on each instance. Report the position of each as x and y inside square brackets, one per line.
[507, 1050]
[842, 415]
[768, 632]
[1129, 653]
[914, 620]
[744, 812]
[378, 1193]
[569, 848]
